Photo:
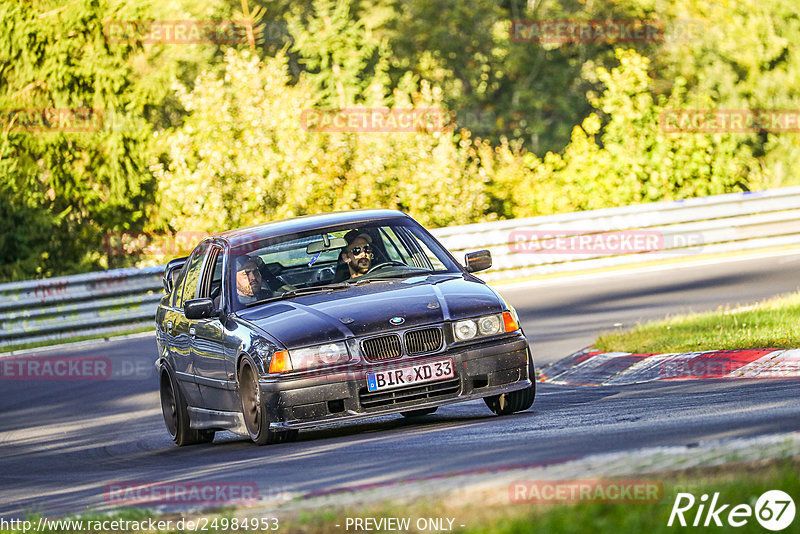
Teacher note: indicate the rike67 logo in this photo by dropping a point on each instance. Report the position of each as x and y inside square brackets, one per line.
[774, 510]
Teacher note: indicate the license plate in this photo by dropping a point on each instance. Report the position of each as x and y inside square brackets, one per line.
[411, 375]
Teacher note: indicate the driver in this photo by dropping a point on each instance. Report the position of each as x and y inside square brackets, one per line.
[358, 252]
[249, 287]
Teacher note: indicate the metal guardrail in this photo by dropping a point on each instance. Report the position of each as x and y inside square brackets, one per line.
[708, 225]
[85, 304]
[122, 299]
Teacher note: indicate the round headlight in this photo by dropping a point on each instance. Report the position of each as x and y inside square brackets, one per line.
[465, 329]
[332, 353]
[489, 325]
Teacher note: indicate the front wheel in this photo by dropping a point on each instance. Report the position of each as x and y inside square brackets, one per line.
[255, 415]
[515, 401]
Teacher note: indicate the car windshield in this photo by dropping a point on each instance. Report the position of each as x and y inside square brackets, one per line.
[333, 259]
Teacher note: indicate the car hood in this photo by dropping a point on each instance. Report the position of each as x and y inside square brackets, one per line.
[368, 309]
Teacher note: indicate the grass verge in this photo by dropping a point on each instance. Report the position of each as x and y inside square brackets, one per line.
[490, 511]
[770, 323]
[736, 484]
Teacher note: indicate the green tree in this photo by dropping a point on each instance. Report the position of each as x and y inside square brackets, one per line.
[64, 189]
[341, 55]
[740, 55]
[245, 154]
[72, 185]
[632, 159]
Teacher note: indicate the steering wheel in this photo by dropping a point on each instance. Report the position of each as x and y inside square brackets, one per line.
[385, 264]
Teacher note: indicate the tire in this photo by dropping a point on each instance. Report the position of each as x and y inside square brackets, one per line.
[515, 401]
[420, 412]
[176, 414]
[256, 419]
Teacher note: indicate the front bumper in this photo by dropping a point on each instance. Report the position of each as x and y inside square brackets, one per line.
[481, 370]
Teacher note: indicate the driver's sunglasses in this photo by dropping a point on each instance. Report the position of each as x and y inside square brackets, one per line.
[355, 251]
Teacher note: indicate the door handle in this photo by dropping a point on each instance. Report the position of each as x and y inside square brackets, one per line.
[192, 332]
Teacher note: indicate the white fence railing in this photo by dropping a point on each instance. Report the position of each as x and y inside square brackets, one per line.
[72, 306]
[632, 234]
[106, 302]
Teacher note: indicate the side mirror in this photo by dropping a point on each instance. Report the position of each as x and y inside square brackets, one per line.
[479, 260]
[199, 308]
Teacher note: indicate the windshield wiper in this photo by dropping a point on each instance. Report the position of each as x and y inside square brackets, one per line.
[363, 281]
[316, 289]
[302, 291]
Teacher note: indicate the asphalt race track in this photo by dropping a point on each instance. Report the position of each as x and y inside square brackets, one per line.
[63, 442]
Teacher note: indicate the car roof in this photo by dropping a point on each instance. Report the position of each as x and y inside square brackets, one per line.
[295, 225]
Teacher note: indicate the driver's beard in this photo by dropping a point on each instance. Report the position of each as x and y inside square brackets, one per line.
[361, 265]
[244, 287]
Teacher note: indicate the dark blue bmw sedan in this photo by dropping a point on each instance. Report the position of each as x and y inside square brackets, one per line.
[273, 328]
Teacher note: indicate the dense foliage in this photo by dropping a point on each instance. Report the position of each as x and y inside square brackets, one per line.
[103, 136]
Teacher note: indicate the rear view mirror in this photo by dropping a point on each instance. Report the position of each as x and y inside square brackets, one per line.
[479, 260]
[327, 243]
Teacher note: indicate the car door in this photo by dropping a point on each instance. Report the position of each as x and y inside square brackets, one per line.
[181, 327]
[166, 317]
[214, 373]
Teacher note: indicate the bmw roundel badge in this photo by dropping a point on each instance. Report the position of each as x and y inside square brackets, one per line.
[397, 320]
